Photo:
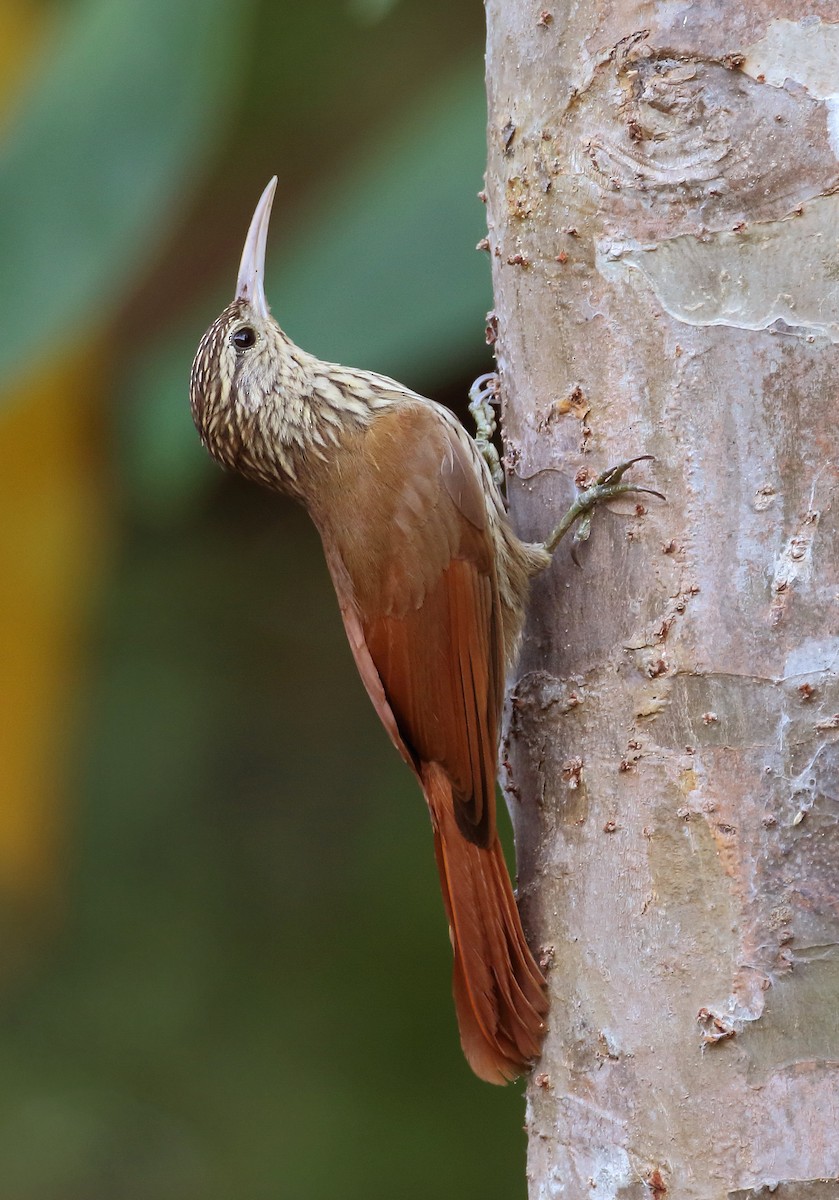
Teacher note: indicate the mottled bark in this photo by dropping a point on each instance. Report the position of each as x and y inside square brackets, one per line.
[663, 226]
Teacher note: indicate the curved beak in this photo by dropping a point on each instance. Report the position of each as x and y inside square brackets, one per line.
[250, 285]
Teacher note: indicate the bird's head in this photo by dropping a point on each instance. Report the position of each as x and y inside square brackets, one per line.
[246, 371]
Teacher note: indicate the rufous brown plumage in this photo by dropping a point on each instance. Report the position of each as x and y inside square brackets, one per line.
[431, 582]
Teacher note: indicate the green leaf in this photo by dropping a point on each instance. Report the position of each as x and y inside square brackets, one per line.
[115, 125]
[371, 11]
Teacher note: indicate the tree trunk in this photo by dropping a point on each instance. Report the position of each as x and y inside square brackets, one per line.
[663, 230]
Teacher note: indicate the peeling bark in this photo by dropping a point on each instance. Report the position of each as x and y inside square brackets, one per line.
[664, 228]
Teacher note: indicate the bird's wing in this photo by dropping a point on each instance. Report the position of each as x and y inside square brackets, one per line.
[420, 602]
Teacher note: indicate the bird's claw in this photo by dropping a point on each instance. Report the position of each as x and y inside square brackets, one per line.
[483, 395]
[607, 486]
[615, 474]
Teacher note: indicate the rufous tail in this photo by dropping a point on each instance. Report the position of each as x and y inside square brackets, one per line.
[499, 991]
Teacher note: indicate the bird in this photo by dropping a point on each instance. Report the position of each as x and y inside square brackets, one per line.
[432, 586]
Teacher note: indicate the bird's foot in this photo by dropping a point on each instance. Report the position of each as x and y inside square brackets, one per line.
[483, 395]
[607, 486]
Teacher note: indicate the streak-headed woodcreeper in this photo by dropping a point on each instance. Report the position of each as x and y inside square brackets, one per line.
[432, 585]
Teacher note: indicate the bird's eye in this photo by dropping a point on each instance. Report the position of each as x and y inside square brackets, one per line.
[243, 337]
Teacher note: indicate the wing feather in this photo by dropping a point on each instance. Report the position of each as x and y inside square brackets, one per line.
[422, 614]
[426, 600]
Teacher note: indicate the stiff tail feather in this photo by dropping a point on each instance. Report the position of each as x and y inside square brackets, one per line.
[499, 991]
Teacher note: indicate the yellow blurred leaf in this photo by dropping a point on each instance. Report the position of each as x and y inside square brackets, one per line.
[51, 498]
[22, 24]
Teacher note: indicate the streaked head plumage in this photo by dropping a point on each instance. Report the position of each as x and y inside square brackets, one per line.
[235, 368]
[261, 404]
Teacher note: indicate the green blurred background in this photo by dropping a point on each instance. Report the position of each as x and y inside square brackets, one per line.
[225, 969]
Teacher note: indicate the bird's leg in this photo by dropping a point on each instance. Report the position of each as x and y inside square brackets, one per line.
[605, 487]
[483, 394]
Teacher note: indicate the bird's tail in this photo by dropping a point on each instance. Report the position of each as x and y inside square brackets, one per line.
[499, 991]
